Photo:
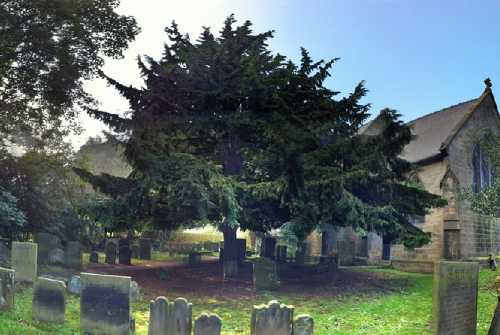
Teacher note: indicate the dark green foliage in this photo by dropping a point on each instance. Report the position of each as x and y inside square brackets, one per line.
[226, 131]
[48, 48]
[12, 220]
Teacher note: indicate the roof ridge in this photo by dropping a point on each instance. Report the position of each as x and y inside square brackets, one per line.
[442, 110]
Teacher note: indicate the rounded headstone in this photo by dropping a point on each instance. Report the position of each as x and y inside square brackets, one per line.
[74, 285]
[135, 291]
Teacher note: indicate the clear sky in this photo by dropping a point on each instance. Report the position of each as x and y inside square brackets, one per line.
[416, 56]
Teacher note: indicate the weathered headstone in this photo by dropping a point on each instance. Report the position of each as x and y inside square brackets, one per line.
[46, 243]
[265, 274]
[7, 277]
[374, 248]
[455, 288]
[241, 246]
[281, 253]
[74, 285]
[135, 250]
[105, 304]
[73, 255]
[272, 319]
[124, 252]
[170, 318]
[94, 257]
[111, 250]
[4, 253]
[303, 325]
[49, 300]
[207, 324]
[56, 256]
[145, 248]
[24, 261]
[135, 291]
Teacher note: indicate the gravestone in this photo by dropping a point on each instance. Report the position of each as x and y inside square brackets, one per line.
[135, 250]
[135, 291]
[265, 274]
[272, 319]
[4, 253]
[300, 254]
[170, 318]
[56, 256]
[268, 247]
[346, 251]
[74, 285]
[24, 261]
[194, 258]
[303, 325]
[49, 300]
[46, 243]
[105, 304]
[94, 257]
[455, 287]
[207, 324]
[241, 246]
[73, 255]
[7, 277]
[281, 253]
[124, 252]
[111, 250]
[145, 248]
[374, 248]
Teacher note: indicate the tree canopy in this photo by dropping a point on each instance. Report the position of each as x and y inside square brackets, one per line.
[226, 131]
[48, 48]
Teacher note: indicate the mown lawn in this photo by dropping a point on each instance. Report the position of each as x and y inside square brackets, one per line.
[405, 310]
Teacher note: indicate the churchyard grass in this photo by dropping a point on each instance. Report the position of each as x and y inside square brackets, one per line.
[403, 310]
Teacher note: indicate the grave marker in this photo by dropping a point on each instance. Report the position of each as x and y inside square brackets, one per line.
[145, 248]
[24, 261]
[111, 250]
[49, 300]
[265, 274]
[303, 325]
[7, 277]
[170, 318]
[73, 255]
[207, 324]
[105, 304]
[272, 319]
[455, 287]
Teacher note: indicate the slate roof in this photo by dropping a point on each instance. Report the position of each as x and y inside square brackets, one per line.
[433, 132]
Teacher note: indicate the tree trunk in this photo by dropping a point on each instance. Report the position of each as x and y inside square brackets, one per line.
[230, 259]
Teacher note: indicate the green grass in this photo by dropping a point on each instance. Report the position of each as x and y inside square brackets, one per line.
[406, 310]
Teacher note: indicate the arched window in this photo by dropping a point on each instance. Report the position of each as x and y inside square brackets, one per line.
[481, 169]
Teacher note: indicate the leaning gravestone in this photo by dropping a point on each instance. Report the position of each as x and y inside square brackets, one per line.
[170, 318]
[104, 304]
[265, 274]
[49, 300]
[272, 319]
[454, 303]
[73, 255]
[207, 324]
[7, 277]
[24, 261]
[111, 249]
[145, 248]
[303, 325]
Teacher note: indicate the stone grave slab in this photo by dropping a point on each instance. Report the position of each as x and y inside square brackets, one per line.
[272, 319]
[207, 324]
[265, 274]
[105, 304]
[170, 318]
[73, 254]
[24, 261]
[49, 300]
[7, 277]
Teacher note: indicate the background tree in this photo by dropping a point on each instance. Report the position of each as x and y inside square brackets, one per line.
[12, 220]
[48, 48]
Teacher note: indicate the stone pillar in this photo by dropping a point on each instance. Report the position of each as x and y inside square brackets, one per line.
[272, 319]
[303, 325]
[105, 304]
[24, 261]
[7, 277]
[265, 274]
[374, 248]
[207, 324]
[268, 247]
[170, 318]
[49, 300]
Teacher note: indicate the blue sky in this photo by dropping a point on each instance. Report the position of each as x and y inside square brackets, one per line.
[415, 56]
